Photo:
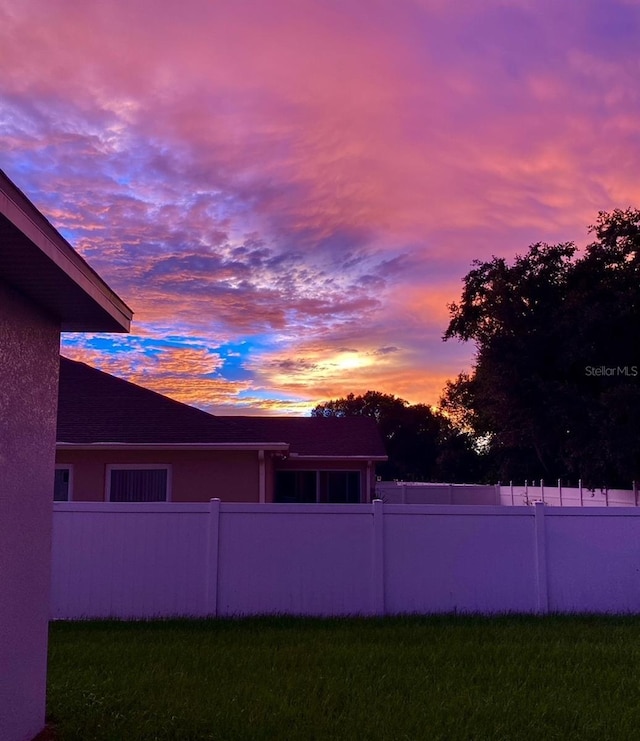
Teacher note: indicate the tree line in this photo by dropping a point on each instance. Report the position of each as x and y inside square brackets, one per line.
[554, 391]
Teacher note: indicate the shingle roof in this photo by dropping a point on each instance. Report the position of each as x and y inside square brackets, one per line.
[320, 436]
[96, 407]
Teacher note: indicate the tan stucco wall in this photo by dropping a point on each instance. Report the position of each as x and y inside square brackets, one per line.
[196, 476]
[29, 361]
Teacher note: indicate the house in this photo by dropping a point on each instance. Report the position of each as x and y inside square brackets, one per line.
[45, 288]
[118, 441]
[330, 459]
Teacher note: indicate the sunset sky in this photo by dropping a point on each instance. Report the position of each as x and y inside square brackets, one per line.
[288, 193]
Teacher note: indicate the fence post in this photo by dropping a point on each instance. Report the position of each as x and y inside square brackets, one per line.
[542, 491]
[511, 489]
[560, 491]
[377, 558]
[635, 493]
[580, 488]
[211, 569]
[542, 591]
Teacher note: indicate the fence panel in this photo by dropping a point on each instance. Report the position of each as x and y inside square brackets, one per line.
[402, 492]
[448, 559]
[133, 560]
[595, 560]
[279, 559]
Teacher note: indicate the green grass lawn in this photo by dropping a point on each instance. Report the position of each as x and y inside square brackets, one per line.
[400, 678]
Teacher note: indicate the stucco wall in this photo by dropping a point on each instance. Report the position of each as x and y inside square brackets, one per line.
[29, 360]
[196, 476]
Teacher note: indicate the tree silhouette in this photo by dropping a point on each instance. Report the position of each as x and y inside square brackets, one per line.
[555, 390]
[421, 443]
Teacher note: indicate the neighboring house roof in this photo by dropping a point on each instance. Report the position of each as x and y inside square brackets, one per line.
[321, 437]
[98, 409]
[38, 262]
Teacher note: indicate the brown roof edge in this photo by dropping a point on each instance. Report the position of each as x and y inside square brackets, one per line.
[278, 447]
[311, 457]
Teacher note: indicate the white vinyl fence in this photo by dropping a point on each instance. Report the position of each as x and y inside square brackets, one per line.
[414, 492]
[165, 559]
[556, 495]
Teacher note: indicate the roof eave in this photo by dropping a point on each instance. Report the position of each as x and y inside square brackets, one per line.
[172, 446]
[300, 456]
[110, 313]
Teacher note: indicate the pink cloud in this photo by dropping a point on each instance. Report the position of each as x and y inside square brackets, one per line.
[318, 175]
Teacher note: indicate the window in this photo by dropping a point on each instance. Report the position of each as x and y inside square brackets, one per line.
[296, 486]
[138, 483]
[339, 487]
[330, 487]
[62, 484]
